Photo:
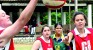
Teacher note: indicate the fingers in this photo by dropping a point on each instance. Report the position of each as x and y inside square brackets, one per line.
[2, 44]
[66, 39]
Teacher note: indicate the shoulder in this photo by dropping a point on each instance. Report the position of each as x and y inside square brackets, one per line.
[36, 44]
[90, 28]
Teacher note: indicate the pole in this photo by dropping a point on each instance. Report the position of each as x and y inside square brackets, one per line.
[76, 5]
[69, 16]
[56, 16]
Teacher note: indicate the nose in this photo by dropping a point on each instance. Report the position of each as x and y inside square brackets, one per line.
[47, 31]
[8, 16]
[80, 21]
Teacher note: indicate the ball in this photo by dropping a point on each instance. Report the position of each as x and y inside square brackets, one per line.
[54, 4]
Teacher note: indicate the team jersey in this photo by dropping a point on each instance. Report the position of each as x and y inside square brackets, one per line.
[58, 44]
[45, 45]
[9, 45]
[83, 43]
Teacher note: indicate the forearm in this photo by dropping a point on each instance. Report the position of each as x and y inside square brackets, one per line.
[24, 16]
[67, 39]
[70, 37]
[21, 21]
[27, 12]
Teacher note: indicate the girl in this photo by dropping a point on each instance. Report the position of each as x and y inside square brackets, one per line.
[58, 38]
[82, 36]
[44, 42]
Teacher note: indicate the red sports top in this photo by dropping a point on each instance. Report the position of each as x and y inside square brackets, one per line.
[46, 46]
[84, 43]
[11, 47]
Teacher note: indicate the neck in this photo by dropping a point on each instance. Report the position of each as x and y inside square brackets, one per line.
[81, 31]
[58, 35]
[46, 38]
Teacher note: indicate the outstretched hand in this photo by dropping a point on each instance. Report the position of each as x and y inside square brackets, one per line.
[66, 40]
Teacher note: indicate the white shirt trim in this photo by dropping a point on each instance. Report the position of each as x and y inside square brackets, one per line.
[1, 28]
[77, 33]
[40, 48]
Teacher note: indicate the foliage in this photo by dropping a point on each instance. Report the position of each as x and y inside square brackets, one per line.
[44, 19]
[69, 16]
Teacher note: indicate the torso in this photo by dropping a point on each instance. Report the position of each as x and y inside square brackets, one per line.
[58, 44]
[9, 45]
[83, 43]
[45, 45]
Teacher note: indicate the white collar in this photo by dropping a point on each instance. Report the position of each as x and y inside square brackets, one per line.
[77, 33]
[1, 28]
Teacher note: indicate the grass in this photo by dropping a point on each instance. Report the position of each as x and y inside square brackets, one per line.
[23, 46]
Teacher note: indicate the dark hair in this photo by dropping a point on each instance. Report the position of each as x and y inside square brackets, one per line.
[77, 13]
[58, 24]
[44, 27]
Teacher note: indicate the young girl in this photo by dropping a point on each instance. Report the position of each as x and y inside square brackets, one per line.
[82, 36]
[58, 38]
[44, 42]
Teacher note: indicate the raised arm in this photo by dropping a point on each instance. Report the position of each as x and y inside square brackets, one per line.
[68, 38]
[24, 17]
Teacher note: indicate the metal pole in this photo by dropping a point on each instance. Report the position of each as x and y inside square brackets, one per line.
[69, 16]
[89, 15]
[49, 17]
[76, 5]
[56, 15]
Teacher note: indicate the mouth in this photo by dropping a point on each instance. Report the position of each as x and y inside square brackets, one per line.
[80, 24]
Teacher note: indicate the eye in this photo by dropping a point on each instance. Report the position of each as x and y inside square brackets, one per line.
[48, 30]
[3, 14]
[82, 19]
[58, 28]
[44, 30]
[77, 20]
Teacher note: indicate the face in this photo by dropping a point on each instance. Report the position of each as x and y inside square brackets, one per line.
[79, 21]
[4, 19]
[58, 29]
[46, 32]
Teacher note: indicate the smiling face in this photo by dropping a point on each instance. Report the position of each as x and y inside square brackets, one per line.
[58, 29]
[80, 21]
[4, 19]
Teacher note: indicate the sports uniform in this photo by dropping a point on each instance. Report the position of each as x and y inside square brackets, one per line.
[45, 45]
[83, 43]
[58, 44]
[9, 45]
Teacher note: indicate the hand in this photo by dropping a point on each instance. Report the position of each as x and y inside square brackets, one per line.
[66, 40]
[3, 42]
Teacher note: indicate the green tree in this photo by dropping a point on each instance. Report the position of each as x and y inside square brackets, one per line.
[44, 19]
